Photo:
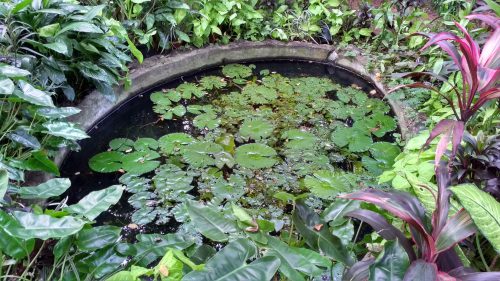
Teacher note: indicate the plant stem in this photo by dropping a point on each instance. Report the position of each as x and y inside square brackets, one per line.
[33, 260]
[478, 245]
[291, 226]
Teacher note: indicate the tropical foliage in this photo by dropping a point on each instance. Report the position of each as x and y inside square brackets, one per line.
[259, 182]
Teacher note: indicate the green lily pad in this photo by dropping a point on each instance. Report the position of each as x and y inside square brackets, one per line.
[255, 156]
[256, 129]
[106, 162]
[175, 142]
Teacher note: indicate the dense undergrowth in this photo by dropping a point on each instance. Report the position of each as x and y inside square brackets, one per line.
[283, 138]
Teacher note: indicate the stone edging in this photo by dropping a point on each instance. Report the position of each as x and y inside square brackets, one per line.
[161, 68]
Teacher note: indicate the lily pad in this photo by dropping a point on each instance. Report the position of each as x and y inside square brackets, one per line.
[255, 156]
[256, 129]
[174, 143]
[106, 162]
[237, 71]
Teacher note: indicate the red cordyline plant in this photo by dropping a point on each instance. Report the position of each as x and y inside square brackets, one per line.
[430, 248]
[480, 71]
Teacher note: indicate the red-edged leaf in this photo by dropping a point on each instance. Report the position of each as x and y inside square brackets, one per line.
[440, 214]
[449, 129]
[359, 271]
[443, 276]
[487, 78]
[467, 274]
[490, 54]
[489, 95]
[421, 270]
[458, 227]
[384, 229]
[490, 20]
[403, 206]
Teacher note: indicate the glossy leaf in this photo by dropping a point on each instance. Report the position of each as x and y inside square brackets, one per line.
[30, 225]
[307, 221]
[391, 264]
[231, 264]
[97, 202]
[95, 238]
[65, 130]
[33, 95]
[483, 209]
[209, 222]
[106, 162]
[421, 270]
[50, 188]
[4, 183]
[255, 156]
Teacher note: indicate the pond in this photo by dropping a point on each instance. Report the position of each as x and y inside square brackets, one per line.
[253, 136]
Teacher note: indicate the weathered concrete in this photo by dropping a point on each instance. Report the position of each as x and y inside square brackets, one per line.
[162, 68]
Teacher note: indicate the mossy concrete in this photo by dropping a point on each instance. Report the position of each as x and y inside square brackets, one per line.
[161, 68]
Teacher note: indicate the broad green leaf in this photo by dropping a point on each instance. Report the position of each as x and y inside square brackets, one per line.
[4, 183]
[12, 246]
[21, 5]
[139, 162]
[95, 238]
[6, 86]
[80, 27]
[255, 156]
[65, 130]
[106, 162]
[169, 268]
[297, 262]
[24, 138]
[133, 49]
[484, 210]
[40, 161]
[121, 144]
[58, 112]
[48, 30]
[97, 202]
[175, 142]
[29, 225]
[391, 264]
[170, 178]
[201, 154]
[336, 211]
[213, 82]
[307, 223]
[237, 71]
[59, 47]
[13, 72]
[327, 184]
[231, 264]
[209, 222]
[50, 188]
[297, 139]
[33, 95]
[256, 129]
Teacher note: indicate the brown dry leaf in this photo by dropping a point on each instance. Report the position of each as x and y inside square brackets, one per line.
[318, 227]
[133, 226]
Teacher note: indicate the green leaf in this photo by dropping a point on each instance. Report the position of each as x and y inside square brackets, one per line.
[95, 238]
[175, 142]
[255, 156]
[231, 264]
[106, 162]
[209, 222]
[297, 139]
[6, 86]
[139, 162]
[170, 178]
[121, 144]
[237, 71]
[183, 36]
[40, 161]
[33, 95]
[327, 184]
[50, 188]
[307, 223]
[58, 112]
[188, 90]
[133, 49]
[213, 82]
[256, 129]
[206, 120]
[179, 110]
[21, 5]
[85, 27]
[12, 246]
[365, 31]
[169, 268]
[336, 211]
[391, 264]
[29, 225]
[59, 47]
[13, 72]
[259, 94]
[201, 154]
[145, 144]
[48, 30]
[97, 202]
[4, 183]
[484, 210]
[297, 262]
[65, 130]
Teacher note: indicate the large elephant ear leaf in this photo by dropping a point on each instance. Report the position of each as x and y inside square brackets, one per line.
[96, 202]
[231, 264]
[210, 222]
[483, 209]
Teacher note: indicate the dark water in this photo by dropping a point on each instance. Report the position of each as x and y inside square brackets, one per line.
[135, 118]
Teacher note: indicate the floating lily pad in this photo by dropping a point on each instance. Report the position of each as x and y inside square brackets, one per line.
[255, 156]
[237, 70]
[175, 142]
[213, 82]
[201, 154]
[297, 139]
[189, 90]
[259, 94]
[256, 129]
[106, 162]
